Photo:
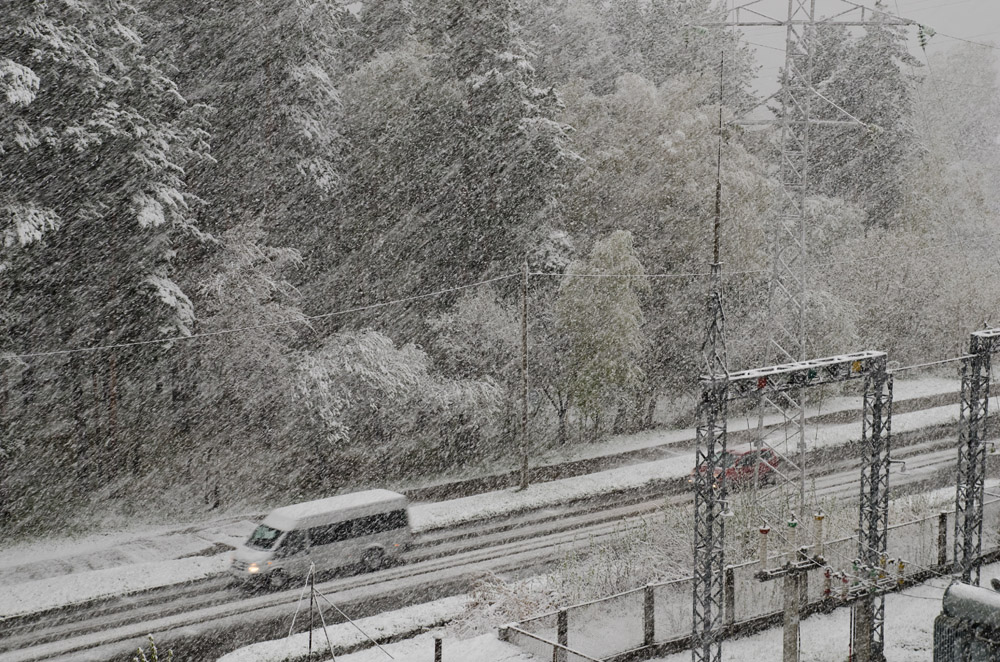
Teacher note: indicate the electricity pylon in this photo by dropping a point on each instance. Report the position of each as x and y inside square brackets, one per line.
[787, 328]
[790, 233]
[710, 490]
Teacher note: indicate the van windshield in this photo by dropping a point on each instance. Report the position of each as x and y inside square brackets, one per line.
[263, 537]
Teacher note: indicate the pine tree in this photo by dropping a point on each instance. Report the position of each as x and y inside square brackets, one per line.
[386, 24]
[95, 141]
[269, 69]
[513, 150]
[870, 83]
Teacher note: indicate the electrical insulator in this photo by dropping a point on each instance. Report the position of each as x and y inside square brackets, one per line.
[764, 530]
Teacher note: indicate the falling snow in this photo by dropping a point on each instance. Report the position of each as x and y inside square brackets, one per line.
[480, 253]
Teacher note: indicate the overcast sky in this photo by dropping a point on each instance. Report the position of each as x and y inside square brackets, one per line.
[953, 20]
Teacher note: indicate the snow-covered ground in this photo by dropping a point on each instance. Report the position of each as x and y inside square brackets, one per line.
[49, 574]
[909, 630]
[909, 635]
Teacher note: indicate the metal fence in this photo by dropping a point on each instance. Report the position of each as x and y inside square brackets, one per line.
[618, 626]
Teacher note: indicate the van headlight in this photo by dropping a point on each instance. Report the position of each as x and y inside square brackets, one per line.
[252, 568]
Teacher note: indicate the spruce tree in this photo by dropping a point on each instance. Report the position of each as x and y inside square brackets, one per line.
[95, 211]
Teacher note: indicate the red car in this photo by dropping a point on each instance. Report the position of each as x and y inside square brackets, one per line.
[739, 467]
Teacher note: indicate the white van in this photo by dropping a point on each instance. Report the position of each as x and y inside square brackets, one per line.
[371, 528]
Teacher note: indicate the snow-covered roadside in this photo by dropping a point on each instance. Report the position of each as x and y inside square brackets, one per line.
[65, 590]
[909, 635]
[40, 595]
[404, 622]
[636, 476]
[903, 389]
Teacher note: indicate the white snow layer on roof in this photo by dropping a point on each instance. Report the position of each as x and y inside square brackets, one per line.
[909, 635]
[909, 630]
[326, 510]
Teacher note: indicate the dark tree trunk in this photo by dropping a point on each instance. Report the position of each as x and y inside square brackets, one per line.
[563, 434]
[650, 409]
[79, 413]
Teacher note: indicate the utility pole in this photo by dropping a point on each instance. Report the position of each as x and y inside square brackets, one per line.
[312, 604]
[524, 378]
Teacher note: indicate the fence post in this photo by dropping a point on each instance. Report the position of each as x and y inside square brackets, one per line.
[790, 632]
[437, 648]
[803, 582]
[648, 617]
[729, 595]
[562, 632]
[943, 539]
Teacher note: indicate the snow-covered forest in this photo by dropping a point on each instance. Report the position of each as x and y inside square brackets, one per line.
[257, 252]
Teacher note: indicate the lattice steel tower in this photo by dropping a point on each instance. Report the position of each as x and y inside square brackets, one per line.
[710, 492]
[790, 233]
[972, 453]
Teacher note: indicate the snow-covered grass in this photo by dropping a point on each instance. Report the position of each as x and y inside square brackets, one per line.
[484, 648]
[344, 636]
[909, 635]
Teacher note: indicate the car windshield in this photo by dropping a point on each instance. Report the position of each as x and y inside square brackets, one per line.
[723, 459]
[263, 537]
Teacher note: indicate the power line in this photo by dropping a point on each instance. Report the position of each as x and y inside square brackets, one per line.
[967, 41]
[267, 325]
[384, 304]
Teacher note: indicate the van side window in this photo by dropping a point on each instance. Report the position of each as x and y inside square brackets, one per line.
[397, 519]
[295, 542]
[356, 528]
[366, 526]
[325, 535]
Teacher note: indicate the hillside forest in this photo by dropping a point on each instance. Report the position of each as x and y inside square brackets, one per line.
[259, 252]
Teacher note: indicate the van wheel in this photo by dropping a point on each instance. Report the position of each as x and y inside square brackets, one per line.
[277, 580]
[373, 559]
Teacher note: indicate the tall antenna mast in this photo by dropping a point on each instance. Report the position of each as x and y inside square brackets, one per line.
[710, 493]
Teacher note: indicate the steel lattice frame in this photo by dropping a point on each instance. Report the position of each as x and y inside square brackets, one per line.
[788, 288]
[972, 453]
[709, 526]
[717, 388]
[873, 510]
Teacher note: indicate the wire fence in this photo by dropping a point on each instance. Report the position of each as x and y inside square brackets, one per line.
[615, 627]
